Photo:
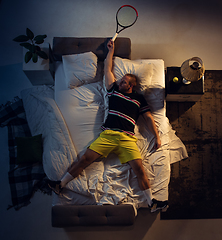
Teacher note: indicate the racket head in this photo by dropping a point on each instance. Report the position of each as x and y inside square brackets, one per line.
[126, 16]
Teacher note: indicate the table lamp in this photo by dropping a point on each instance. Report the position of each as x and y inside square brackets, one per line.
[192, 70]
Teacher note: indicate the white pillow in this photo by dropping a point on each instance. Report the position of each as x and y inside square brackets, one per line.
[143, 71]
[79, 69]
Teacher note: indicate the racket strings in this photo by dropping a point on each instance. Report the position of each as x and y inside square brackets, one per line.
[126, 16]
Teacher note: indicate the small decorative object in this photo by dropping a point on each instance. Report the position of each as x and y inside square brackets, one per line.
[192, 70]
[34, 51]
[175, 79]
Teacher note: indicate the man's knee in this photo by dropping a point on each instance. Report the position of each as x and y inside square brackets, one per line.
[139, 171]
[87, 158]
[84, 161]
[137, 167]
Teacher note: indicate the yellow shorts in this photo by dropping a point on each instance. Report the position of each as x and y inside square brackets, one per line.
[120, 143]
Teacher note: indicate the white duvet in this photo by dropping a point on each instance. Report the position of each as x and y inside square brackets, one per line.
[106, 181]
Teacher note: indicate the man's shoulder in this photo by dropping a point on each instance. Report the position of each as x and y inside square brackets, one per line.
[138, 95]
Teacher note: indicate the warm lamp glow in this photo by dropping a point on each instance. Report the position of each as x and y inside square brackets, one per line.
[192, 70]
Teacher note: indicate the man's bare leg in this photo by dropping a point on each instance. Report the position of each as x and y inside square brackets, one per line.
[89, 157]
[143, 181]
[144, 185]
[75, 170]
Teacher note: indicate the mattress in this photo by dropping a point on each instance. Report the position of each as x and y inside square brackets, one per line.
[108, 181]
[72, 121]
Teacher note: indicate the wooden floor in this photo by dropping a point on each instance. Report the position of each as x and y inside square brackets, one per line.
[195, 190]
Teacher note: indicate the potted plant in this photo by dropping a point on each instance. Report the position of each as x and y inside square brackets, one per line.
[30, 42]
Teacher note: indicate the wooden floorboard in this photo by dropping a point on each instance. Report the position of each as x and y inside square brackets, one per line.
[195, 190]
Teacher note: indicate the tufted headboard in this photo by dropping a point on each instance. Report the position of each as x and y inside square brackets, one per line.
[73, 45]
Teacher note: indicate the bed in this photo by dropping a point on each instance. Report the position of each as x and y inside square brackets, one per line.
[69, 116]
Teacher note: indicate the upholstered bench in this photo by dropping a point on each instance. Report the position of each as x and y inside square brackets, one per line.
[89, 215]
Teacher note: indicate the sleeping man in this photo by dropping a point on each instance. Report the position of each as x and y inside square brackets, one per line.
[125, 106]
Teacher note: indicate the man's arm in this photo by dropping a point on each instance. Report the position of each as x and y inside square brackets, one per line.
[109, 77]
[152, 127]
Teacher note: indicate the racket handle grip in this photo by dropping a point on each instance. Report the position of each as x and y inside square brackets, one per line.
[114, 37]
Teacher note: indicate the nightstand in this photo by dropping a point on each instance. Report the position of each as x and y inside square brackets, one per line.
[180, 92]
[39, 73]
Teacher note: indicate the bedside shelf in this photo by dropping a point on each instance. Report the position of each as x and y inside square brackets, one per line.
[179, 91]
[39, 73]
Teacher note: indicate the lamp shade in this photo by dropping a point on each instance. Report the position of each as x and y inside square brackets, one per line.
[192, 69]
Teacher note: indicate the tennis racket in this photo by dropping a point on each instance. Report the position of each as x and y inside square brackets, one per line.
[126, 16]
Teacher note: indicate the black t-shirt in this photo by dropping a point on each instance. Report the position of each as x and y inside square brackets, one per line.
[124, 110]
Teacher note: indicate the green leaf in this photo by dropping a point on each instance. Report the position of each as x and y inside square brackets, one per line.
[34, 57]
[29, 34]
[26, 45]
[39, 39]
[28, 56]
[33, 48]
[21, 38]
[42, 54]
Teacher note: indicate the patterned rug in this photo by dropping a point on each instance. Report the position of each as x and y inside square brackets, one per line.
[195, 190]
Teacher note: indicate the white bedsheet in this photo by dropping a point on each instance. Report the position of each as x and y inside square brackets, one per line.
[71, 122]
[84, 109]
